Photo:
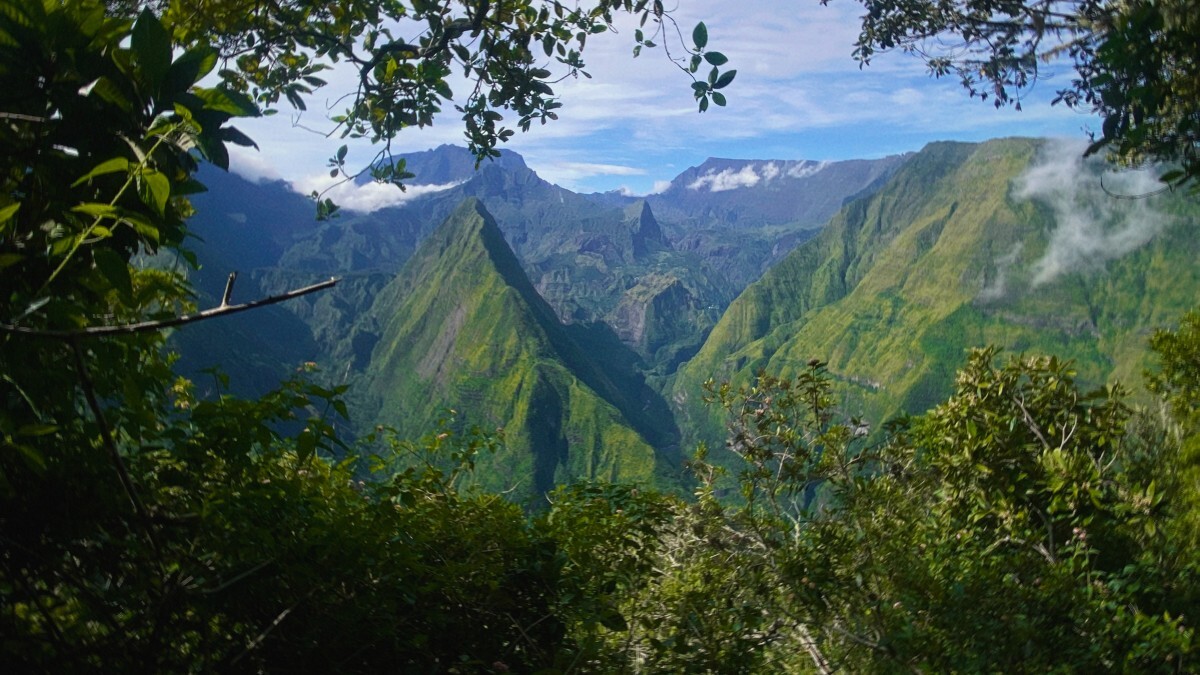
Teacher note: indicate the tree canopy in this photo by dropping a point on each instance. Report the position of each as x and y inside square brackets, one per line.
[1135, 63]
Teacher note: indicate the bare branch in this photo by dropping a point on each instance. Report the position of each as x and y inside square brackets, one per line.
[150, 326]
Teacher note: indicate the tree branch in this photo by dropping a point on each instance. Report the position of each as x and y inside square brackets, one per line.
[89, 393]
[149, 326]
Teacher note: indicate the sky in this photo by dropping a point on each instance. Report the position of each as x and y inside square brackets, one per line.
[798, 94]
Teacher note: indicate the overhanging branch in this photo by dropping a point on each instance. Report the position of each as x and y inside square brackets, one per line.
[149, 326]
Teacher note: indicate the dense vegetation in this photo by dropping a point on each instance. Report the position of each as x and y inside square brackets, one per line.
[1021, 523]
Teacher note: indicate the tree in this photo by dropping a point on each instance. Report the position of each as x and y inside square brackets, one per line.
[1021, 524]
[1135, 63]
[143, 528]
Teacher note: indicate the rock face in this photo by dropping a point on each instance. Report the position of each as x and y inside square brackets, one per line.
[661, 312]
[647, 237]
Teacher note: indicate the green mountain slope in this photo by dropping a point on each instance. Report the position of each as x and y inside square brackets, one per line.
[955, 251]
[462, 327]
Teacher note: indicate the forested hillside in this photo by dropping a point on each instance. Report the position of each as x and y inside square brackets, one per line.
[1009, 243]
[462, 328]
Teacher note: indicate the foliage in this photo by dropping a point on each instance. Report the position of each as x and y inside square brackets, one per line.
[1134, 63]
[145, 528]
[1177, 382]
[1020, 524]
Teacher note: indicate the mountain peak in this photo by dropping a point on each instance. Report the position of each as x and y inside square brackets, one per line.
[463, 327]
[452, 164]
[648, 236]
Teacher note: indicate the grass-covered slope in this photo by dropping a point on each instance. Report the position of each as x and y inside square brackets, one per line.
[1009, 242]
[462, 327]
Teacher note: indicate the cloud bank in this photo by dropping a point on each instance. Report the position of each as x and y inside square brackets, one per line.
[752, 174]
[366, 198]
[728, 179]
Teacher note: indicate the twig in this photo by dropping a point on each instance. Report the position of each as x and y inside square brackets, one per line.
[110, 445]
[149, 326]
[228, 289]
[1030, 423]
[226, 584]
[23, 117]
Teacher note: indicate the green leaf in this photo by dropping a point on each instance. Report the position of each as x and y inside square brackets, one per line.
[718, 98]
[140, 225]
[155, 189]
[115, 270]
[235, 136]
[114, 165]
[715, 59]
[225, 100]
[96, 210]
[7, 212]
[725, 79]
[152, 48]
[107, 91]
[190, 69]
[37, 429]
[700, 35]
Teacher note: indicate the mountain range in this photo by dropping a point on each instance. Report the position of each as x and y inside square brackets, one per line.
[584, 325]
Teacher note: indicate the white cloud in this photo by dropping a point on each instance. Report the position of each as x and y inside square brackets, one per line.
[727, 179]
[998, 286]
[251, 164]
[806, 169]
[570, 174]
[368, 197]
[1092, 225]
[659, 187]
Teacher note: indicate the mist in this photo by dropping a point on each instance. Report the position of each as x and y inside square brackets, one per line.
[1093, 223]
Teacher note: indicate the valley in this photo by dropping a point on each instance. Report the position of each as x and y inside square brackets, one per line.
[584, 326]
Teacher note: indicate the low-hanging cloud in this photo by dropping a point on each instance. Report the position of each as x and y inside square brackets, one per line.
[997, 287]
[728, 179]
[367, 197]
[804, 169]
[1092, 225]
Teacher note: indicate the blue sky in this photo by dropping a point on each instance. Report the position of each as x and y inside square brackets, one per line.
[798, 94]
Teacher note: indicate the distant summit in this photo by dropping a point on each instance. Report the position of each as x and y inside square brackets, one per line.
[740, 192]
[451, 164]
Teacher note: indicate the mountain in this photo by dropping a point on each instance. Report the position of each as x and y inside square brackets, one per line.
[447, 164]
[739, 193]
[1011, 242]
[659, 284]
[462, 326]
[741, 216]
